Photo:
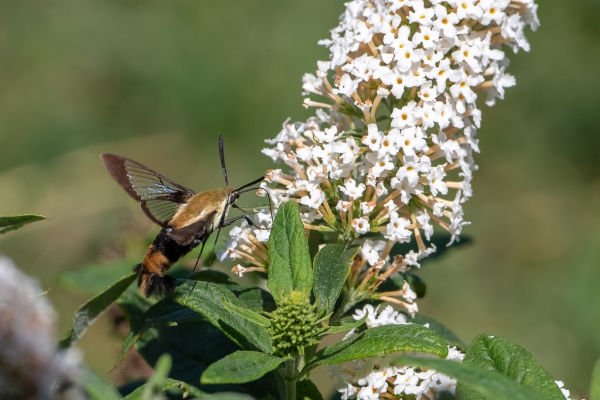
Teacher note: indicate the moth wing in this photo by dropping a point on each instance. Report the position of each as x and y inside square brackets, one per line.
[199, 229]
[159, 196]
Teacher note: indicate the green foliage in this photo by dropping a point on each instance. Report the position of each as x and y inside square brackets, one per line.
[383, 340]
[158, 379]
[440, 328]
[346, 325]
[167, 386]
[248, 314]
[96, 388]
[89, 311]
[13, 222]
[208, 299]
[241, 367]
[497, 354]
[484, 383]
[289, 259]
[332, 266]
[221, 335]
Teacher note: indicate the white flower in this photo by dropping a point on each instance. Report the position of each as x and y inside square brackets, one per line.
[396, 229]
[361, 225]
[389, 150]
[352, 190]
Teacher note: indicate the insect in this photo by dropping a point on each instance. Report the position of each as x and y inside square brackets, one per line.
[187, 218]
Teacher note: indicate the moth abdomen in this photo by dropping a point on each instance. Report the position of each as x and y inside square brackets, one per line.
[161, 255]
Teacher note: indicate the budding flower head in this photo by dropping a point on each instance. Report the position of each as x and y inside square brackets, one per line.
[388, 154]
[294, 325]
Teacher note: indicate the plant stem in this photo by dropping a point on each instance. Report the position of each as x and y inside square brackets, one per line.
[290, 376]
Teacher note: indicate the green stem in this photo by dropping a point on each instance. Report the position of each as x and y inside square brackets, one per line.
[349, 299]
[290, 377]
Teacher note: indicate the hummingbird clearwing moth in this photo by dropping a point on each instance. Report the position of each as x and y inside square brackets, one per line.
[187, 218]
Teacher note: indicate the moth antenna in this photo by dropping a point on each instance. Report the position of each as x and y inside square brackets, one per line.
[222, 157]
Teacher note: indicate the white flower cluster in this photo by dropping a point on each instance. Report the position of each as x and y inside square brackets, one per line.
[389, 150]
[566, 392]
[365, 381]
[30, 366]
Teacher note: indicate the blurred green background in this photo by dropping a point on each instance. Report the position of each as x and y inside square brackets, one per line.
[157, 81]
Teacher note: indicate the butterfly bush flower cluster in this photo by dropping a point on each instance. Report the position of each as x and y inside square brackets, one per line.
[387, 156]
[365, 380]
[30, 365]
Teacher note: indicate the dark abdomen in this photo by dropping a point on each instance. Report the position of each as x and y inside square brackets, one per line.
[162, 253]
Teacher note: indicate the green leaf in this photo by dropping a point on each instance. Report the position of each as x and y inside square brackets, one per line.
[252, 299]
[248, 314]
[158, 379]
[96, 388]
[332, 266]
[289, 260]
[382, 340]
[89, 311]
[437, 326]
[487, 384]
[346, 326]
[176, 388]
[163, 313]
[224, 396]
[207, 299]
[94, 278]
[595, 385]
[511, 360]
[12, 222]
[193, 345]
[240, 367]
[307, 390]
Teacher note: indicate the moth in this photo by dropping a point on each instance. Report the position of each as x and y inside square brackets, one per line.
[186, 218]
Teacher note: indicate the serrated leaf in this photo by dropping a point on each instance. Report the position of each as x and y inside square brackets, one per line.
[96, 388]
[13, 222]
[511, 360]
[248, 314]
[595, 382]
[346, 326]
[289, 259]
[94, 278]
[440, 328]
[207, 299]
[331, 268]
[90, 310]
[383, 340]
[240, 367]
[487, 384]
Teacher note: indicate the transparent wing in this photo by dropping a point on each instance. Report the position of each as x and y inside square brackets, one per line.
[160, 197]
